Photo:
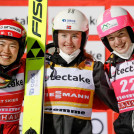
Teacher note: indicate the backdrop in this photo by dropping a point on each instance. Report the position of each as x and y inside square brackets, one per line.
[102, 117]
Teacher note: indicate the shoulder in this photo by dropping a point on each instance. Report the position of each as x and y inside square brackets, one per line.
[98, 64]
[23, 61]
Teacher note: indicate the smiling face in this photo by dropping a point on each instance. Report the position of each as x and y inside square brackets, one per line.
[69, 41]
[8, 51]
[120, 41]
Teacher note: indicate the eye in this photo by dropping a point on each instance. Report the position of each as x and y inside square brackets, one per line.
[63, 35]
[13, 45]
[1, 43]
[121, 34]
[75, 36]
[110, 38]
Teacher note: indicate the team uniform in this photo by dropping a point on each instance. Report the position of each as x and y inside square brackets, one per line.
[72, 78]
[69, 95]
[11, 76]
[120, 66]
[11, 100]
[121, 74]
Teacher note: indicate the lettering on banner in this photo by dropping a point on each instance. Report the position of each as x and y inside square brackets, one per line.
[92, 21]
[12, 28]
[23, 21]
[74, 96]
[69, 77]
[9, 117]
[126, 104]
[16, 83]
[125, 70]
[122, 70]
[65, 111]
[60, 94]
[10, 109]
[9, 100]
[127, 96]
[33, 84]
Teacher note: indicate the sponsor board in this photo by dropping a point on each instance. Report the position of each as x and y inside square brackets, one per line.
[91, 12]
[99, 122]
[96, 49]
[18, 13]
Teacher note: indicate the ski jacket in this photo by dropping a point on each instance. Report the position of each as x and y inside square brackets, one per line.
[121, 74]
[11, 100]
[69, 93]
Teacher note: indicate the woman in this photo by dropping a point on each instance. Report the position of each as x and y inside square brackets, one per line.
[72, 78]
[115, 28]
[12, 46]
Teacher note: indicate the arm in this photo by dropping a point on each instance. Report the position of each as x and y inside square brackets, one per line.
[102, 89]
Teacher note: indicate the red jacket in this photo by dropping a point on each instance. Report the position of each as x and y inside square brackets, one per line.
[11, 100]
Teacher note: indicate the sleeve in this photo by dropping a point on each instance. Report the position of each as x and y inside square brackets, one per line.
[102, 88]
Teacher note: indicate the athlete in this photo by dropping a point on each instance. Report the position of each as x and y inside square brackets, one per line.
[72, 77]
[116, 30]
[12, 66]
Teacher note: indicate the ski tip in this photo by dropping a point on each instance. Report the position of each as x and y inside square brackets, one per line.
[30, 131]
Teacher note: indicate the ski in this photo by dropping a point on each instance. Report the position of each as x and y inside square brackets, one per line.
[34, 75]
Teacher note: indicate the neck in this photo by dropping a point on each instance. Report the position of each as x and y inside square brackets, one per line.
[69, 58]
[128, 54]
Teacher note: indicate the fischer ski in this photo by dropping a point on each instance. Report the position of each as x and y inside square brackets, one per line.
[35, 63]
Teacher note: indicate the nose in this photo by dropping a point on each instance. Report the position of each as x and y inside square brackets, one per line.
[117, 41]
[6, 49]
[69, 39]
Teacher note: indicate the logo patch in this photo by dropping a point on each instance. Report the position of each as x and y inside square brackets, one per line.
[68, 27]
[11, 28]
[108, 25]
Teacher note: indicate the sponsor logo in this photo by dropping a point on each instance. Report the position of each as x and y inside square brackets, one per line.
[33, 83]
[97, 55]
[68, 20]
[9, 117]
[63, 20]
[16, 83]
[69, 77]
[60, 94]
[65, 111]
[123, 70]
[10, 109]
[11, 28]
[108, 25]
[31, 91]
[22, 20]
[72, 21]
[37, 17]
[126, 104]
[92, 21]
[8, 101]
[128, 96]
[36, 51]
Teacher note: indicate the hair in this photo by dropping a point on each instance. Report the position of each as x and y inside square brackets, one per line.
[88, 56]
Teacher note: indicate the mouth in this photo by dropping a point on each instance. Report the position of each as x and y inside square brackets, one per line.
[5, 56]
[69, 46]
[120, 47]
